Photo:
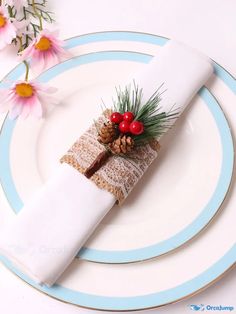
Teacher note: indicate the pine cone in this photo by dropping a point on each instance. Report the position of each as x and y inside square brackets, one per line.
[122, 145]
[107, 133]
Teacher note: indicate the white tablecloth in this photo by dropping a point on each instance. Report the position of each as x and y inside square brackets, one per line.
[208, 25]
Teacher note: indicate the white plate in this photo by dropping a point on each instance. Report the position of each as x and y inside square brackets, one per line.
[113, 286]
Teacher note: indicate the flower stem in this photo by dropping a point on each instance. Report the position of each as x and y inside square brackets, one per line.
[25, 62]
[27, 70]
[38, 15]
[20, 43]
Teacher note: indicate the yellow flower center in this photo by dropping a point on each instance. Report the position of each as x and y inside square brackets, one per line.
[2, 20]
[43, 44]
[24, 90]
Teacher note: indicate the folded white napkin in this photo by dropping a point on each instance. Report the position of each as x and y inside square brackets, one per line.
[47, 234]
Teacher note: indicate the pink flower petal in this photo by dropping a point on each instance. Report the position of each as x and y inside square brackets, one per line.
[37, 64]
[25, 111]
[36, 109]
[3, 94]
[49, 100]
[51, 59]
[15, 112]
[10, 33]
[27, 52]
[44, 88]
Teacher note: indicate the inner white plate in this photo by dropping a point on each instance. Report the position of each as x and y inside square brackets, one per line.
[173, 193]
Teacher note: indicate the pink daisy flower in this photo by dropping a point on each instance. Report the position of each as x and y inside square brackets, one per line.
[26, 98]
[7, 29]
[45, 51]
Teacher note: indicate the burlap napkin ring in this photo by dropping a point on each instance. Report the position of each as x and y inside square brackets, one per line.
[118, 174]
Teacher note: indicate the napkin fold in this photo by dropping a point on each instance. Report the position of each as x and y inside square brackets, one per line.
[43, 239]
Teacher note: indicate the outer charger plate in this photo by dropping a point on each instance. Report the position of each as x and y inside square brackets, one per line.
[157, 282]
[143, 228]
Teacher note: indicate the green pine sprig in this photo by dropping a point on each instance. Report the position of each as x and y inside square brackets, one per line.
[155, 121]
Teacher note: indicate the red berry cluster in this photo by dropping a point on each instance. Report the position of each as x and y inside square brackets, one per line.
[126, 123]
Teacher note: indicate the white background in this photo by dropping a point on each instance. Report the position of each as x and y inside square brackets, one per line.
[208, 25]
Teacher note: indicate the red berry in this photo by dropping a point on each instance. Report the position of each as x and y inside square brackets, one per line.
[136, 128]
[124, 127]
[128, 116]
[116, 117]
